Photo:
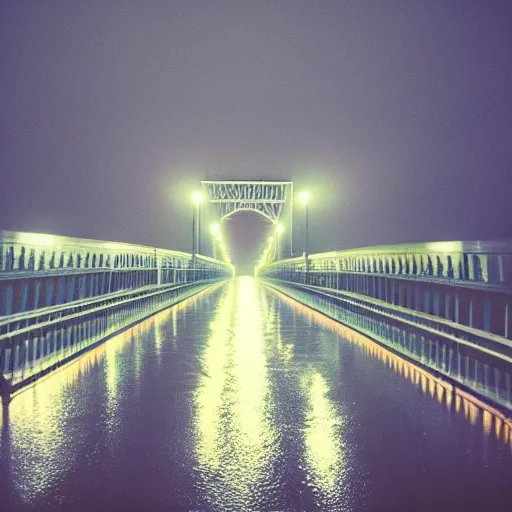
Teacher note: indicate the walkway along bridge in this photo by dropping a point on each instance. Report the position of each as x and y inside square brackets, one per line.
[444, 306]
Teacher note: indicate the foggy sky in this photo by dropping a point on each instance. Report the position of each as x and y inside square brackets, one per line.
[396, 115]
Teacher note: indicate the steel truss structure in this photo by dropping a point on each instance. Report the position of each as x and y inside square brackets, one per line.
[267, 198]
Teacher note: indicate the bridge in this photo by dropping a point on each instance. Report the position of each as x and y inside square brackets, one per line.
[437, 314]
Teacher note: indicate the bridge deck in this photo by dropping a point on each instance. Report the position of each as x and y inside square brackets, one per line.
[238, 399]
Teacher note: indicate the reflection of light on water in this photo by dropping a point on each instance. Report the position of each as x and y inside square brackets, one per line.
[251, 368]
[464, 403]
[234, 439]
[41, 449]
[174, 331]
[286, 350]
[159, 337]
[324, 452]
[487, 421]
[43, 442]
[208, 399]
[113, 377]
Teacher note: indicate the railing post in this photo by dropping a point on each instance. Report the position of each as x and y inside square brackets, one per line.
[306, 267]
[5, 392]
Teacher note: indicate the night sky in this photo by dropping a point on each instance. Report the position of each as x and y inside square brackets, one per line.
[396, 115]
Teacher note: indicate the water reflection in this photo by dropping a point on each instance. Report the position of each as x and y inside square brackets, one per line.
[40, 449]
[264, 414]
[323, 444]
[43, 435]
[243, 403]
[235, 440]
[445, 393]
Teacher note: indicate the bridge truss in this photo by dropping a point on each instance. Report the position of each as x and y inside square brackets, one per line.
[267, 198]
[271, 199]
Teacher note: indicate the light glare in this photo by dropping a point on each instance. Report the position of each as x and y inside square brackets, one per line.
[304, 197]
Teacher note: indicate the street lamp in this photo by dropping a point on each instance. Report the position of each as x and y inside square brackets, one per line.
[304, 199]
[279, 230]
[196, 249]
[214, 230]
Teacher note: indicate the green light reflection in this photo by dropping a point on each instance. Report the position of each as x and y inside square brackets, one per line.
[235, 439]
[324, 451]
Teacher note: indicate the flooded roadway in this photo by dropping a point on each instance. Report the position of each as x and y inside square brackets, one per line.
[241, 400]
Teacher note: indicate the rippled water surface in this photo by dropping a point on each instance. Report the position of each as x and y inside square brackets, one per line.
[240, 400]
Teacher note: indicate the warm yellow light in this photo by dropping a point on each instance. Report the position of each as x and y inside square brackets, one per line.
[219, 238]
[197, 197]
[279, 228]
[304, 197]
[235, 385]
[271, 239]
[214, 228]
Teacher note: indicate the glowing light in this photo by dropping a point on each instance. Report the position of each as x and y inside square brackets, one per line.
[279, 228]
[42, 239]
[214, 229]
[471, 406]
[230, 404]
[454, 247]
[219, 238]
[197, 197]
[324, 450]
[304, 197]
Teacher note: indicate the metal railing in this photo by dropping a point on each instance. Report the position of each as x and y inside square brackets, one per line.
[469, 262]
[465, 282]
[59, 296]
[26, 252]
[476, 360]
[452, 298]
[39, 270]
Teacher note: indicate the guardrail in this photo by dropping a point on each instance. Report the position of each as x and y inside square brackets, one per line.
[38, 270]
[444, 305]
[477, 361]
[35, 343]
[465, 282]
[59, 296]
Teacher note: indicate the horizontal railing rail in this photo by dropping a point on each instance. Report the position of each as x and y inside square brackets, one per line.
[59, 296]
[21, 251]
[447, 305]
[471, 262]
[33, 349]
[469, 283]
[462, 334]
[38, 271]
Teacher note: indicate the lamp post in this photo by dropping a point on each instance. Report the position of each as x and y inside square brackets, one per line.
[214, 230]
[197, 198]
[304, 199]
[279, 230]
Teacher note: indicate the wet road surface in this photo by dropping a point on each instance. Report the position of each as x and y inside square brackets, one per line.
[241, 400]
